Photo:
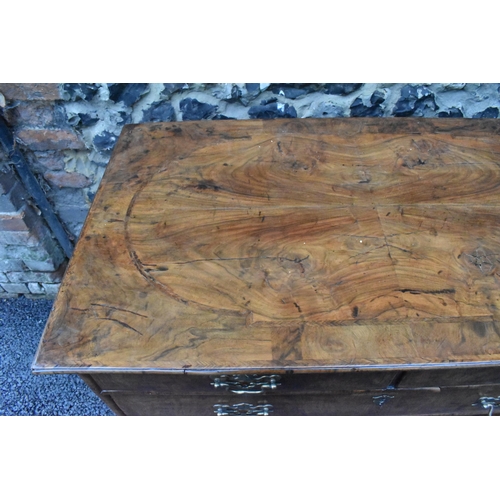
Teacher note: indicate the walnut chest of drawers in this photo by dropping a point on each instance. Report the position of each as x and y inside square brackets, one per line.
[289, 267]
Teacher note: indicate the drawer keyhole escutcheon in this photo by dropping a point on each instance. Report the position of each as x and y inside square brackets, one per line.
[246, 384]
[488, 403]
[381, 400]
[242, 409]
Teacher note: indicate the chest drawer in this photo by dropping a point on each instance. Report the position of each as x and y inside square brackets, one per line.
[452, 401]
[245, 384]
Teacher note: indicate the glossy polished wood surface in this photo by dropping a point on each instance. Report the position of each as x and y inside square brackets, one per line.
[287, 245]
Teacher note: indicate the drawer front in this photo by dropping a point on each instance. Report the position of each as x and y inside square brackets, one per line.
[450, 377]
[222, 384]
[451, 401]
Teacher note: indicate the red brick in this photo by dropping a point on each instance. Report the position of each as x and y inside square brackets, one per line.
[28, 225]
[11, 265]
[5, 295]
[36, 288]
[60, 179]
[33, 115]
[52, 160]
[30, 91]
[41, 252]
[13, 222]
[39, 277]
[37, 265]
[15, 287]
[42, 140]
[50, 290]
[18, 238]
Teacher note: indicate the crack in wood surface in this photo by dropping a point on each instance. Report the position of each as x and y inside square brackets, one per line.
[118, 309]
[122, 323]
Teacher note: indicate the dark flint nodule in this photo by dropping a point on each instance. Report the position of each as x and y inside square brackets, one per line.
[159, 112]
[192, 109]
[414, 100]
[341, 88]
[358, 109]
[105, 141]
[451, 113]
[84, 91]
[128, 93]
[490, 112]
[272, 110]
[172, 88]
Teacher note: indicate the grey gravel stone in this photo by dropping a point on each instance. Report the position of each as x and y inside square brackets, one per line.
[22, 393]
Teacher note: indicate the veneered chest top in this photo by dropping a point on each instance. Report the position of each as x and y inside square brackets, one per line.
[303, 245]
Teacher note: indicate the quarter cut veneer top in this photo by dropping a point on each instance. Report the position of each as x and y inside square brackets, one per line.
[314, 244]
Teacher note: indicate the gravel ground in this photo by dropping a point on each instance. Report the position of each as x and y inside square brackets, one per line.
[21, 393]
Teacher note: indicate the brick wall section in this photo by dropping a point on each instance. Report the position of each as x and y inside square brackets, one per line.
[68, 131]
[31, 91]
[31, 261]
[43, 140]
[53, 148]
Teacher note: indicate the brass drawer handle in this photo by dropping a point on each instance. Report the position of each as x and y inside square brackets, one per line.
[246, 384]
[242, 409]
[488, 403]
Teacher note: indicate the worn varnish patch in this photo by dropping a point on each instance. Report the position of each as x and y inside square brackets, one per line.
[282, 244]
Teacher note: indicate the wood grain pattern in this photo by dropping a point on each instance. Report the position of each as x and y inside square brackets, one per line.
[281, 245]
